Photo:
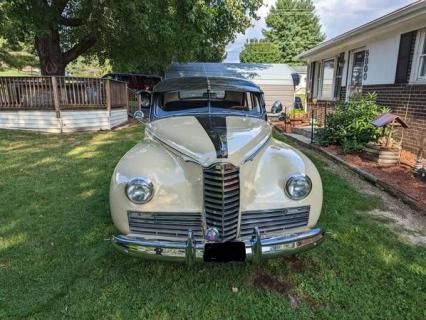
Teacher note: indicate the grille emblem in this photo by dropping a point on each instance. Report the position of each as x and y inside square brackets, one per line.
[212, 234]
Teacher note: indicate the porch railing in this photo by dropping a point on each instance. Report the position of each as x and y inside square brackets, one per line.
[58, 93]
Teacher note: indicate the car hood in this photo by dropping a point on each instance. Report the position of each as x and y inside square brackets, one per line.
[212, 138]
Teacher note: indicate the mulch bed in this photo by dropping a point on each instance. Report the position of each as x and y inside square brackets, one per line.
[400, 177]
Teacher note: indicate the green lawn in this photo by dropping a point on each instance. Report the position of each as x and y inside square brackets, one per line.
[15, 73]
[55, 263]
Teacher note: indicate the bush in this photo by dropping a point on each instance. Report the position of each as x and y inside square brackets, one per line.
[297, 113]
[349, 125]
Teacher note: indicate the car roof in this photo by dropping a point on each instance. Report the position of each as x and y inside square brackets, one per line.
[213, 83]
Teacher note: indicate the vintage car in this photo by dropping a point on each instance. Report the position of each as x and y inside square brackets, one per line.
[208, 182]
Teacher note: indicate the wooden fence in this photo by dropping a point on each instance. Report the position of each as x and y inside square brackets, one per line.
[61, 93]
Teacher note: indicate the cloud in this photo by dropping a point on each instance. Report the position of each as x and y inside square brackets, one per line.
[336, 16]
[341, 16]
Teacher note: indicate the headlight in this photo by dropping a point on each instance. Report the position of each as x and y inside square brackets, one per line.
[298, 187]
[139, 191]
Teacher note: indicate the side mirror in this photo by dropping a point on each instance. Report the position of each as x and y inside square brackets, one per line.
[139, 116]
[145, 99]
[277, 107]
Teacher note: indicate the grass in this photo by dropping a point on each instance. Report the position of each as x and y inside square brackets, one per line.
[15, 73]
[55, 263]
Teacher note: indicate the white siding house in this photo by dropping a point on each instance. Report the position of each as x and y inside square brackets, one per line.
[386, 56]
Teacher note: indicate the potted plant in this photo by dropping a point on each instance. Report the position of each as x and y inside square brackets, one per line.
[386, 151]
[297, 116]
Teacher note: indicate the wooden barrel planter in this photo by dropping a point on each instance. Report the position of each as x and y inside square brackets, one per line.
[383, 156]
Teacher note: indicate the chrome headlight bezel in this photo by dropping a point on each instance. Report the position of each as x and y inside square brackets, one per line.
[141, 183]
[293, 179]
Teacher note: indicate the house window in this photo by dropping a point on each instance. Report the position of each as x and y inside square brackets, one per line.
[422, 58]
[323, 79]
[422, 73]
[419, 62]
[327, 79]
[316, 79]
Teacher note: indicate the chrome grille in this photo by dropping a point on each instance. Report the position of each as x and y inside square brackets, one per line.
[270, 221]
[222, 199]
[165, 226]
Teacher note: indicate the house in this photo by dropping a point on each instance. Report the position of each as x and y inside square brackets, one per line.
[302, 71]
[278, 81]
[386, 56]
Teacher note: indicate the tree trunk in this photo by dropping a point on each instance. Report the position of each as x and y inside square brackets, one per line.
[52, 60]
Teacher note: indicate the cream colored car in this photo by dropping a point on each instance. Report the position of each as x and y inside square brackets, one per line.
[208, 182]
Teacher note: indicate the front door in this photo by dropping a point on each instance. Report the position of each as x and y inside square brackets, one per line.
[357, 73]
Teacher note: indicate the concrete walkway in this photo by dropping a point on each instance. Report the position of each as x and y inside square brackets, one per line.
[298, 137]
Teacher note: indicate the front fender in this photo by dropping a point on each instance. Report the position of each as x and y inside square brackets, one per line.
[264, 178]
[178, 185]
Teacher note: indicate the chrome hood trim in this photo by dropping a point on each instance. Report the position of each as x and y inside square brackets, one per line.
[209, 139]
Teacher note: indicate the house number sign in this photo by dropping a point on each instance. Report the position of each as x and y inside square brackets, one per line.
[367, 54]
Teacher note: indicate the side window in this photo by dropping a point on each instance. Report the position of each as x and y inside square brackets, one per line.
[255, 103]
[251, 102]
[248, 101]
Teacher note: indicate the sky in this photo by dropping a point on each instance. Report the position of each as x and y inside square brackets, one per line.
[336, 16]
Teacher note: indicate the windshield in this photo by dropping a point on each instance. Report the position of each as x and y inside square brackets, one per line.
[186, 102]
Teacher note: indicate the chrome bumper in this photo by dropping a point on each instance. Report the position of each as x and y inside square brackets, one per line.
[190, 251]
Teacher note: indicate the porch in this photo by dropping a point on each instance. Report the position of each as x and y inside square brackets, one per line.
[64, 104]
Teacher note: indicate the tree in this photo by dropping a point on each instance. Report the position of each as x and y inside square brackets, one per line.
[256, 51]
[135, 35]
[294, 27]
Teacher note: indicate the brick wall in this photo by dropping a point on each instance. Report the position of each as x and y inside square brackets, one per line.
[409, 101]
[319, 110]
[324, 106]
[402, 99]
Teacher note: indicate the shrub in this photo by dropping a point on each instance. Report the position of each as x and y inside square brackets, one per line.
[349, 125]
[297, 113]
